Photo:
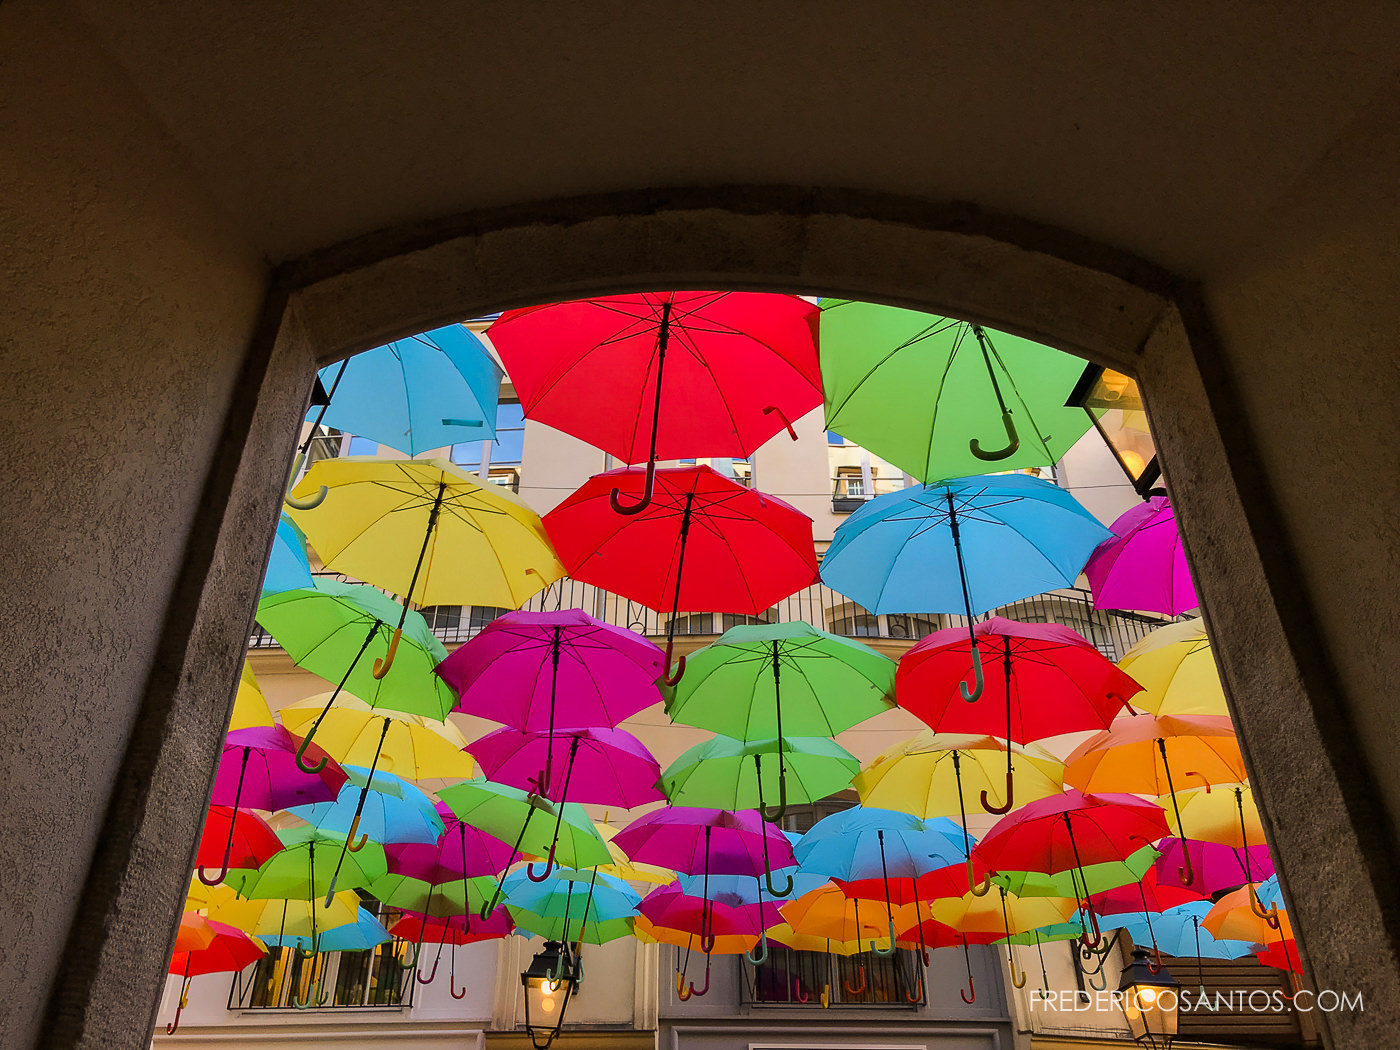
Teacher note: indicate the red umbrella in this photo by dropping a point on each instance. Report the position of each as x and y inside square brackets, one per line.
[459, 929]
[682, 373]
[235, 838]
[745, 550]
[1052, 681]
[205, 946]
[1146, 895]
[1070, 831]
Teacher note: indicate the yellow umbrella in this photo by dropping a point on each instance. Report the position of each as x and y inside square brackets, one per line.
[935, 774]
[249, 705]
[292, 918]
[409, 746]
[1177, 672]
[1003, 914]
[623, 867]
[1224, 814]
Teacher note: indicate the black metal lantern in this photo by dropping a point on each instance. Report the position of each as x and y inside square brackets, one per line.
[1114, 404]
[549, 983]
[1150, 1001]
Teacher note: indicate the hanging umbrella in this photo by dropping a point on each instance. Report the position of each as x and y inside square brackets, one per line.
[410, 746]
[210, 947]
[506, 812]
[307, 867]
[288, 567]
[1093, 879]
[428, 531]
[683, 373]
[1000, 915]
[1143, 566]
[460, 850]
[737, 774]
[603, 766]
[523, 664]
[568, 891]
[755, 676]
[425, 392]
[828, 913]
[457, 930]
[260, 770]
[721, 944]
[340, 630]
[274, 918]
[742, 890]
[1137, 753]
[234, 838]
[1146, 895]
[1223, 813]
[695, 841]
[1233, 917]
[1213, 867]
[1177, 672]
[451, 898]
[966, 546]
[624, 867]
[1052, 681]
[1177, 931]
[927, 392]
[395, 810]
[363, 933]
[930, 774]
[249, 705]
[746, 550]
[1069, 832]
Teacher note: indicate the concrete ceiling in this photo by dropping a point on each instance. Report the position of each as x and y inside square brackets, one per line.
[1166, 130]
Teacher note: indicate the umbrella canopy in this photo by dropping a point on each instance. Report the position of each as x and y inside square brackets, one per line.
[765, 680]
[338, 630]
[1093, 878]
[1233, 917]
[670, 907]
[603, 766]
[1070, 830]
[627, 869]
[1147, 894]
[363, 933]
[426, 530]
[984, 915]
[940, 398]
[456, 897]
[739, 843]
[738, 774]
[1143, 566]
[457, 929]
[681, 373]
[249, 705]
[1138, 753]
[1213, 867]
[569, 891]
[274, 918]
[721, 944]
[827, 912]
[424, 392]
[461, 850]
[259, 770]
[411, 746]
[394, 810]
[211, 946]
[307, 867]
[565, 669]
[558, 928]
[235, 838]
[1016, 536]
[1225, 814]
[1177, 672]
[937, 774]
[287, 566]
[1179, 930]
[740, 890]
[863, 843]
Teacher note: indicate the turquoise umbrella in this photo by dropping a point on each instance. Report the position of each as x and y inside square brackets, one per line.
[425, 392]
[968, 546]
[364, 933]
[287, 566]
[394, 810]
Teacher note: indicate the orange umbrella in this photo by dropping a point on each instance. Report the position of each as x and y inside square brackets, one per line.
[828, 913]
[1137, 753]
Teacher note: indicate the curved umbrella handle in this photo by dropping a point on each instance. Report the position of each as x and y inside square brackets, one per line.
[530, 870]
[969, 996]
[1186, 871]
[412, 964]
[1013, 442]
[1269, 915]
[350, 843]
[1005, 807]
[310, 503]
[858, 988]
[301, 753]
[1101, 984]
[488, 906]
[675, 679]
[683, 994]
[798, 994]
[774, 408]
[223, 873]
[1084, 939]
[978, 889]
[885, 951]
[826, 996]
[707, 945]
[382, 664]
[763, 953]
[916, 996]
[978, 684]
[680, 981]
[773, 891]
[452, 987]
[776, 817]
[616, 503]
[431, 973]
[174, 1026]
[697, 992]
[1154, 965]
[1018, 978]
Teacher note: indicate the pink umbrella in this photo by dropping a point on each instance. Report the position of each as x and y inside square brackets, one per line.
[1216, 867]
[259, 770]
[706, 919]
[461, 850]
[609, 767]
[1143, 566]
[718, 841]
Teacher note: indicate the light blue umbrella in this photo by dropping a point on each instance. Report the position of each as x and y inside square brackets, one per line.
[364, 933]
[288, 567]
[394, 810]
[1270, 893]
[1176, 931]
[571, 904]
[739, 891]
[424, 392]
[863, 843]
[968, 545]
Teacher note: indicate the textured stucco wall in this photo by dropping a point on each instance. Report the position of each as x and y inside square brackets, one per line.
[128, 301]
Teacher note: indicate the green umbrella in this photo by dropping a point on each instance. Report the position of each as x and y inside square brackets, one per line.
[331, 631]
[558, 928]
[928, 393]
[445, 899]
[512, 814]
[764, 680]
[306, 866]
[723, 773]
[1096, 878]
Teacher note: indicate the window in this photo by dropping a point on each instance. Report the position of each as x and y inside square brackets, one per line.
[798, 978]
[327, 444]
[909, 626]
[364, 978]
[728, 620]
[442, 618]
[480, 615]
[692, 623]
[853, 622]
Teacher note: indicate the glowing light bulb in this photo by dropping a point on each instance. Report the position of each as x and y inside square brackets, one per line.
[1134, 462]
[547, 1004]
[1147, 996]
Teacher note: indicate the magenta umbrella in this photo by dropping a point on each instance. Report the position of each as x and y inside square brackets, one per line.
[1216, 867]
[705, 917]
[609, 767]
[461, 850]
[1143, 566]
[540, 672]
[259, 770]
[714, 841]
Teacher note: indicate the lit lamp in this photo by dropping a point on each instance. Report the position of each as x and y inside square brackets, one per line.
[1150, 1001]
[1112, 401]
[549, 982]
